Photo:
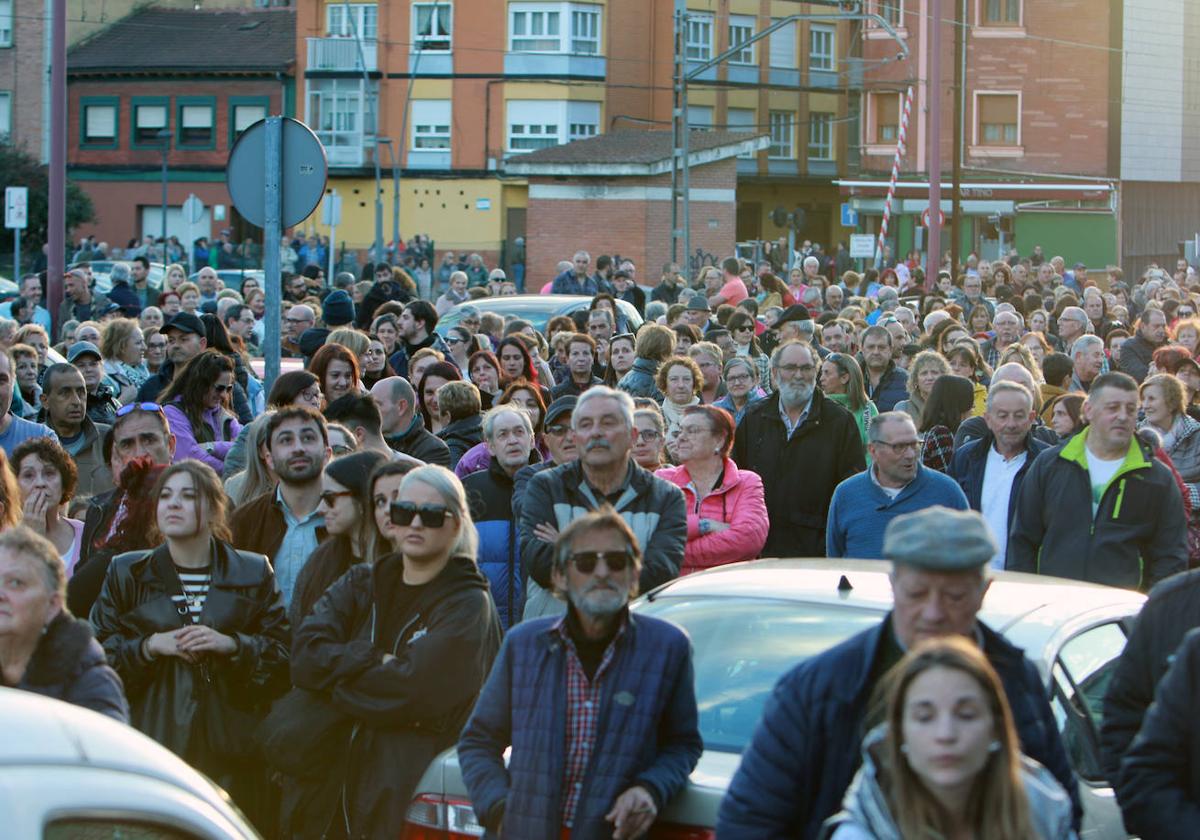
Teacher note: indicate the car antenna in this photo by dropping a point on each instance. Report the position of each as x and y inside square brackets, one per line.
[844, 584]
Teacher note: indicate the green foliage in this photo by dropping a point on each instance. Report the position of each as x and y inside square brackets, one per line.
[18, 168]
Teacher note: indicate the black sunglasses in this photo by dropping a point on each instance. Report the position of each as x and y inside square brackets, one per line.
[222, 389]
[432, 516]
[330, 497]
[616, 561]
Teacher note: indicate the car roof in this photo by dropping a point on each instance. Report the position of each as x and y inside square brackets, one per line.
[539, 308]
[42, 731]
[1013, 597]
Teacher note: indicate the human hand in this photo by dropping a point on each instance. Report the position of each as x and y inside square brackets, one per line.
[34, 511]
[632, 814]
[546, 532]
[199, 638]
[165, 644]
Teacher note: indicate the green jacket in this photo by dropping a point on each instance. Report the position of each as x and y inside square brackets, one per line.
[1137, 537]
[862, 417]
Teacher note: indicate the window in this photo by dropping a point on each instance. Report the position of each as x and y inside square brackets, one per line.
[537, 124]
[361, 19]
[742, 119]
[244, 115]
[431, 124]
[99, 123]
[741, 29]
[1001, 12]
[700, 117]
[343, 117]
[892, 11]
[887, 117]
[196, 123]
[999, 120]
[783, 129]
[535, 31]
[6, 23]
[5, 114]
[572, 28]
[820, 47]
[820, 136]
[699, 37]
[148, 120]
[783, 47]
[585, 31]
[1082, 672]
[431, 26]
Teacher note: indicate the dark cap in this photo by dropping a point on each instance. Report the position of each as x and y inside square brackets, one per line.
[698, 303]
[556, 409]
[795, 312]
[337, 309]
[1079, 265]
[939, 539]
[185, 322]
[83, 348]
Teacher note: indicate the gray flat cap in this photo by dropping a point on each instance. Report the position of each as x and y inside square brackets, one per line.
[939, 539]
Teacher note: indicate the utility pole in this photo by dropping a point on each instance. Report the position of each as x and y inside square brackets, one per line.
[679, 133]
[56, 222]
[960, 86]
[933, 92]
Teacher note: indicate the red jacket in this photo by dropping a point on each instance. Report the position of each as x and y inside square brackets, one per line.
[739, 502]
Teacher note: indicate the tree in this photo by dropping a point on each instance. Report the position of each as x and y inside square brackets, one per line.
[18, 168]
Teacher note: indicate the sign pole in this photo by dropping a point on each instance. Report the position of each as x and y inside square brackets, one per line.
[271, 234]
[17, 256]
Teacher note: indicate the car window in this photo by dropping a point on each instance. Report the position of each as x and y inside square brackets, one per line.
[112, 828]
[742, 646]
[1082, 671]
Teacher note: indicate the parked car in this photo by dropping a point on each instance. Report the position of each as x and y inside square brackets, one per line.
[234, 277]
[67, 772]
[536, 309]
[101, 269]
[750, 623]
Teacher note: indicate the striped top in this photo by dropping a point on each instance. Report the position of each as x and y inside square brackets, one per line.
[195, 591]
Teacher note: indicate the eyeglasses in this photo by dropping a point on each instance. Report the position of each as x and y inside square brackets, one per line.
[222, 389]
[747, 328]
[450, 342]
[616, 561]
[432, 516]
[143, 406]
[792, 370]
[899, 447]
[646, 434]
[297, 320]
[329, 497]
[738, 378]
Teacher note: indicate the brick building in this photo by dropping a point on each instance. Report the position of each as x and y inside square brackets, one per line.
[201, 76]
[612, 195]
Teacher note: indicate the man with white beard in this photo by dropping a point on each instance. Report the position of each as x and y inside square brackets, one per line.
[803, 445]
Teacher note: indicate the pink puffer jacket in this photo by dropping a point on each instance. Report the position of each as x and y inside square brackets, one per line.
[739, 502]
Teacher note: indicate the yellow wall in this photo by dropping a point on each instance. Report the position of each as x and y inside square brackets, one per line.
[544, 90]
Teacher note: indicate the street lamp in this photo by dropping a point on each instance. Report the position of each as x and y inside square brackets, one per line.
[164, 137]
[395, 161]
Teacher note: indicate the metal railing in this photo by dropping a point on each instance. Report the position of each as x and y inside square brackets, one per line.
[341, 54]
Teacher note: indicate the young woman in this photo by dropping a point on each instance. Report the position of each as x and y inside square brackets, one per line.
[434, 377]
[384, 488]
[458, 340]
[402, 648]
[621, 355]
[842, 381]
[422, 360]
[1064, 414]
[926, 367]
[980, 320]
[174, 277]
[515, 361]
[197, 407]
[681, 381]
[649, 439]
[337, 370]
[741, 326]
[198, 632]
[46, 478]
[251, 476]
[741, 381]
[966, 361]
[375, 363]
[484, 370]
[727, 512]
[951, 401]
[947, 763]
[346, 506]
[384, 326]
[124, 348]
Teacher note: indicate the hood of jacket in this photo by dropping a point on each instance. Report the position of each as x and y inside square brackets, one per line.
[459, 575]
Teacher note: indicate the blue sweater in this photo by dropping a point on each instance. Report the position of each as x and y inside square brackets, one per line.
[860, 510]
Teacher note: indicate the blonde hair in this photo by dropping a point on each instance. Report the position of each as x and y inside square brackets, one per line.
[116, 335]
[350, 338]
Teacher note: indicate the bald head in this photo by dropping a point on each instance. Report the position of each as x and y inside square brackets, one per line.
[396, 400]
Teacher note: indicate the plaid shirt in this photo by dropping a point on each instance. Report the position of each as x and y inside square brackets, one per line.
[937, 450]
[583, 716]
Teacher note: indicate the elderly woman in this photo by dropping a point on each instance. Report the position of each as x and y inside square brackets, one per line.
[460, 419]
[46, 479]
[43, 649]
[1164, 403]
[124, 348]
[727, 512]
[926, 367]
[741, 381]
[655, 344]
[681, 381]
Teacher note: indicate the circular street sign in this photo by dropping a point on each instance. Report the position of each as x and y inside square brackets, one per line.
[925, 218]
[303, 168]
[193, 209]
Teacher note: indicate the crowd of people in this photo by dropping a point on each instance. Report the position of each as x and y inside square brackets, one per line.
[416, 538]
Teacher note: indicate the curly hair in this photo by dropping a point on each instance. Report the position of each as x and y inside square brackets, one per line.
[191, 386]
[53, 454]
[680, 361]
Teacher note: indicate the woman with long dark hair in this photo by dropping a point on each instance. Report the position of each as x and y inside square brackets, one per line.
[375, 363]
[741, 326]
[198, 631]
[434, 377]
[516, 362]
[336, 368]
[622, 352]
[197, 407]
[951, 401]
[483, 369]
[218, 338]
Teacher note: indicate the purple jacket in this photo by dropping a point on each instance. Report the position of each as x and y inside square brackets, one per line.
[478, 457]
[224, 427]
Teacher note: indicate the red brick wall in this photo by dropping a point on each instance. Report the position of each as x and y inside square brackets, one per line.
[639, 230]
[22, 73]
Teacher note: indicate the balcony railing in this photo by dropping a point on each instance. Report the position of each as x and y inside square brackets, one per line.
[340, 54]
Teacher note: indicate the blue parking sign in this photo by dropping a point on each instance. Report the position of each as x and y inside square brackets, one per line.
[849, 216]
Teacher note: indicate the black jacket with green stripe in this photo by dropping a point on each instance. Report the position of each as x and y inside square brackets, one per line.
[1137, 537]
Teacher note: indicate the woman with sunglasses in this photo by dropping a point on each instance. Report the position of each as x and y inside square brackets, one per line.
[346, 506]
[196, 404]
[198, 631]
[458, 341]
[401, 647]
[727, 512]
[741, 327]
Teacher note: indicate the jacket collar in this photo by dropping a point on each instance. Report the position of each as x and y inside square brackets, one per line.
[229, 569]
[1136, 457]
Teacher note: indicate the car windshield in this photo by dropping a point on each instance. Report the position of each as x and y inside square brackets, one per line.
[742, 646]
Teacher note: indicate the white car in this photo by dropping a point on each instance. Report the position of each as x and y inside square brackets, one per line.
[68, 773]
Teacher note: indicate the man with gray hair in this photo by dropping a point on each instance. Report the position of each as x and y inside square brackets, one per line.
[807, 746]
[122, 294]
[1087, 356]
[1008, 329]
[1072, 323]
[508, 433]
[974, 428]
[576, 280]
[604, 474]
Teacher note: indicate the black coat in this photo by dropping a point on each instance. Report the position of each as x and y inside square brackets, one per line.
[1158, 786]
[68, 664]
[165, 693]
[461, 435]
[799, 474]
[83, 588]
[1171, 611]
[407, 710]
[418, 442]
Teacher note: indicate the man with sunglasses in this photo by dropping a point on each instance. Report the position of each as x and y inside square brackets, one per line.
[604, 474]
[559, 672]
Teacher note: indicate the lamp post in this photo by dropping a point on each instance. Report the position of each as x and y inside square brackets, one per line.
[395, 161]
[164, 137]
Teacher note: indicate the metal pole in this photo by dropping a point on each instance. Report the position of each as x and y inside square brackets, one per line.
[17, 255]
[685, 183]
[395, 199]
[332, 244]
[272, 232]
[960, 76]
[933, 91]
[678, 124]
[56, 224]
[379, 256]
[163, 226]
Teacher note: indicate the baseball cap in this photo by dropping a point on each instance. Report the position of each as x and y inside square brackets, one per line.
[185, 322]
[83, 348]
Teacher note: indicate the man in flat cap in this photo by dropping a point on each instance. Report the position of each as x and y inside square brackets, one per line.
[807, 745]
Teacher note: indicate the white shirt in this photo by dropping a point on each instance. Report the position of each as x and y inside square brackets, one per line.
[1100, 473]
[998, 477]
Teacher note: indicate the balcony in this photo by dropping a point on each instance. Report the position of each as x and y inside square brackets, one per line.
[340, 55]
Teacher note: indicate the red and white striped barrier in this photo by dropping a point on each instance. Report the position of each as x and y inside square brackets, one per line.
[887, 203]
